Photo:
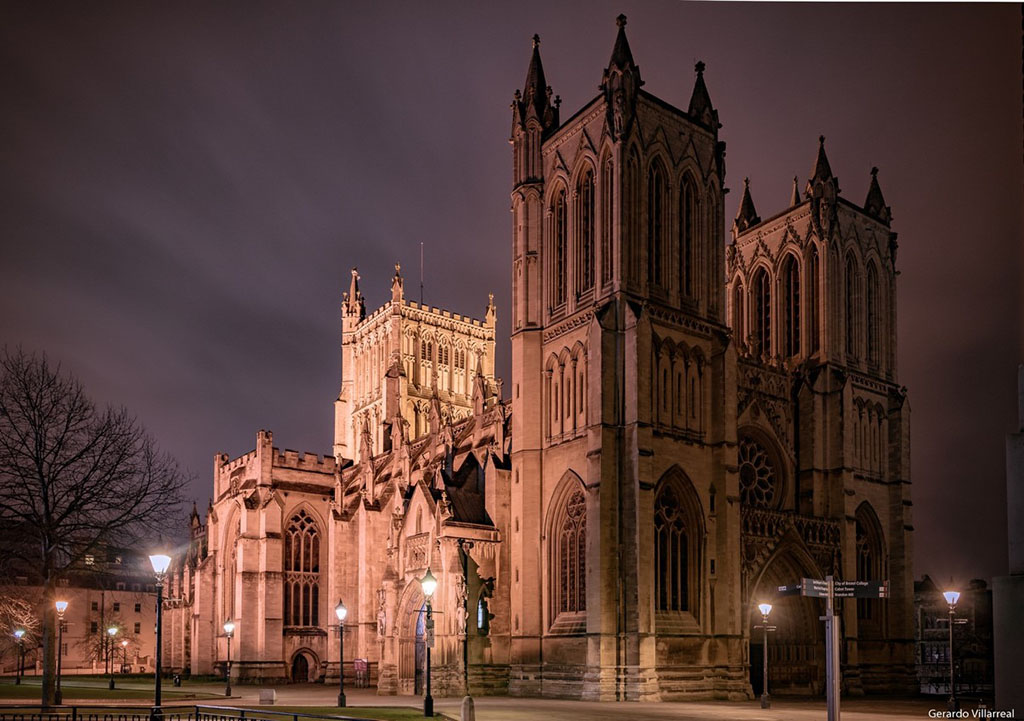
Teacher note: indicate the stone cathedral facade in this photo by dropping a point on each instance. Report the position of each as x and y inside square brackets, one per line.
[688, 426]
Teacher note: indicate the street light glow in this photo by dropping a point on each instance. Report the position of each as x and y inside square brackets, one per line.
[160, 563]
[952, 597]
[62, 606]
[764, 608]
[429, 584]
[229, 627]
[340, 610]
[19, 633]
[112, 631]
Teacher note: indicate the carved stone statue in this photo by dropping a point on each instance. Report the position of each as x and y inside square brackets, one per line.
[382, 612]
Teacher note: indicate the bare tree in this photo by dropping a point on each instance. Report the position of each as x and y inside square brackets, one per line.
[74, 479]
[17, 613]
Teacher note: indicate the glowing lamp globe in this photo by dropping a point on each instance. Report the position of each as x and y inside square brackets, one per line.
[429, 584]
[764, 608]
[340, 611]
[160, 562]
[952, 597]
[62, 606]
[229, 627]
[112, 631]
[124, 643]
[19, 633]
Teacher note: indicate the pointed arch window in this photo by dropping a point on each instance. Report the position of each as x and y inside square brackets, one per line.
[811, 300]
[607, 195]
[656, 225]
[762, 313]
[672, 548]
[570, 555]
[585, 232]
[687, 236]
[791, 305]
[559, 250]
[870, 562]
[872, 314]
[302, 571]
[738, 318]
[852, 306]
[631, 218]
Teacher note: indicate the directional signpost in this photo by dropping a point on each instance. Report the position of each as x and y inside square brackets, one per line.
[831, 589]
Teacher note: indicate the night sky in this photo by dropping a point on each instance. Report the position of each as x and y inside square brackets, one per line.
[184, 187]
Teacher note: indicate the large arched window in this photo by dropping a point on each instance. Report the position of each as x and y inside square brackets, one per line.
[631, 217]
[671, 553]
[791, 305]
[585, 232]
[302, 571]
[657, 210]
[872, 314]
[687, 237]
[558, 249]
[607, 219]
[811, 300]
[762, 307]
[569, 552]
[678, 537]
[870, 564]
[852, 306]
[738, 307]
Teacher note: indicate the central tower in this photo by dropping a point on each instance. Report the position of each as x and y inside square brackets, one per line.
[622, 429]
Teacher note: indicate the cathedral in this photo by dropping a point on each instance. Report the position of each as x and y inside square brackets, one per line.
[689, 424]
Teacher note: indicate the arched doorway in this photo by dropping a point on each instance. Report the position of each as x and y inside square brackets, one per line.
[300, 668]
[421, 649]
[796, 654]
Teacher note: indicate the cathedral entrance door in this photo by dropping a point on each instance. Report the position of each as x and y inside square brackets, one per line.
[300, 669]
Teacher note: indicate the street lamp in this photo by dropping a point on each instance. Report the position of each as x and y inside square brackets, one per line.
[429, 584]
[468, 707]
[160, 563]
[765, 609]
[951, 598]
[19, 633]
[62, 606]
[124, 655]
[229, 631]
[111, 632]
[341, 612]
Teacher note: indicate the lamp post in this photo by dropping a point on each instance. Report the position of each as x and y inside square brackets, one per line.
[429, 585]
[229, 631]
[62, 606]
[19, 633]
[468, 709]
[951, 598]
[160, 563]
[341, 612]
[111, 632]
[765, 609]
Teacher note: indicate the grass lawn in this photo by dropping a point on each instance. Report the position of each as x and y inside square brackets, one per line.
[94, 688]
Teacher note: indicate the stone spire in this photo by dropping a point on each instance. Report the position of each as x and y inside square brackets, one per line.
[746, 216]
[621, 84]
[397, 284]
[701, 108]
[535, 100]
[874, 204]
[822, 171]
[794, 199]
[353, 300]
[822, 189]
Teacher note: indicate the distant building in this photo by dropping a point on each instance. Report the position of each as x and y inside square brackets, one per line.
[689, 426]
[972, 641]
[112, 588]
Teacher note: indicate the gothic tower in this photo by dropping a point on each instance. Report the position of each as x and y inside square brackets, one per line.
[622, 430]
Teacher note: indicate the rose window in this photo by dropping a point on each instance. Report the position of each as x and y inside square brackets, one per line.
[757, 475]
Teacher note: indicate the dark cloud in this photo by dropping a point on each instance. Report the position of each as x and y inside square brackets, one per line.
[183, 188]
